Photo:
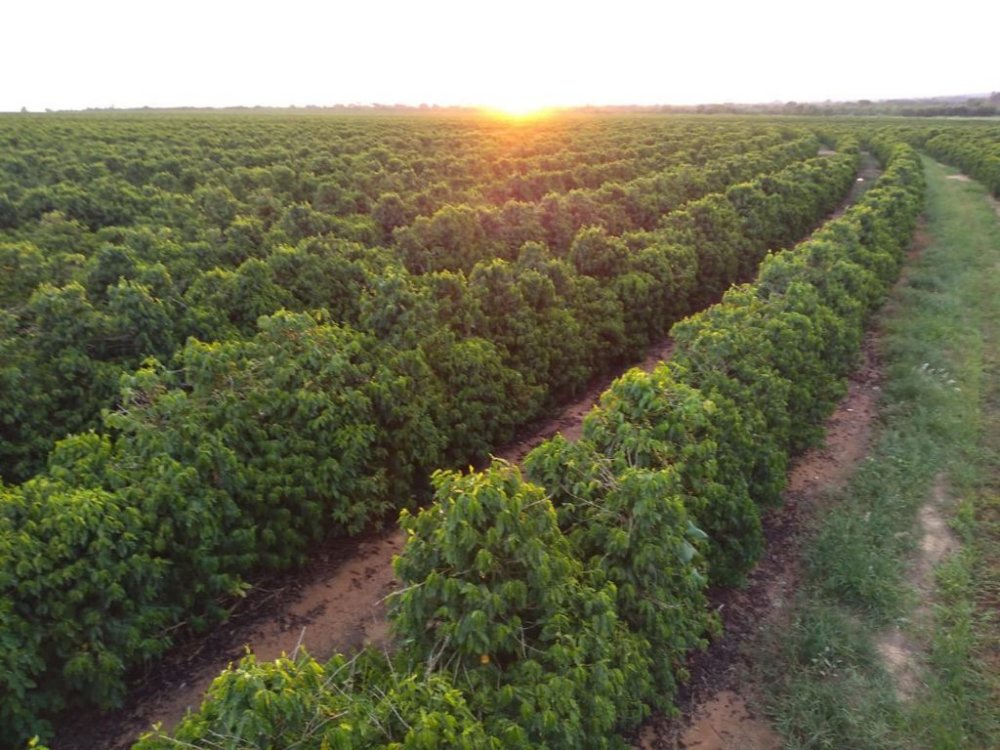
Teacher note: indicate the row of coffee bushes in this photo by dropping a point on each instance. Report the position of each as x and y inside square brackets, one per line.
[558, 320]
[68, 334]
[102, 170]
[240, 453]
[624, 158]
[73, 325]
[124, 171]
[83, 308]
[456, 237]
[551, 613]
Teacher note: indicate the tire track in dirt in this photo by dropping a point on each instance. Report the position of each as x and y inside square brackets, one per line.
[900, 647]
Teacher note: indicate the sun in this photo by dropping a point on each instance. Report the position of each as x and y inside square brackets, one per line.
[518, 109]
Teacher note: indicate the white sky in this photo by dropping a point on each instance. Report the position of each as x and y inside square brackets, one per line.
[71, 54]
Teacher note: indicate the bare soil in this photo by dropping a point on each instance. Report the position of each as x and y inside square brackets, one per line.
[868, 172]
[726, 722]
[335, 603]
[937, 541]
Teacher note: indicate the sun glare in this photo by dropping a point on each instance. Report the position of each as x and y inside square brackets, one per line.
[519, 110]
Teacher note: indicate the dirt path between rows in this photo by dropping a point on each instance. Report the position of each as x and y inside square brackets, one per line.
[868, 172]
[336, 603]
[570, 421]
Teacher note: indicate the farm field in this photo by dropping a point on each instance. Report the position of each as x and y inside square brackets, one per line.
[228, 341]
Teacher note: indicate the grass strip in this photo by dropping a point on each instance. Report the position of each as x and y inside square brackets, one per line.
[824, 667]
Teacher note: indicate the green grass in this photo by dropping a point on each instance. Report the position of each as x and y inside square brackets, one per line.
[824, 681]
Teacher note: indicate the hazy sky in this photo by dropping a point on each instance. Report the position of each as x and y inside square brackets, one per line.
[70, 54]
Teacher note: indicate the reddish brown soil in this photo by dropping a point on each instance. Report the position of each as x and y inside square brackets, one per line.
[725, 722]
[334, 603]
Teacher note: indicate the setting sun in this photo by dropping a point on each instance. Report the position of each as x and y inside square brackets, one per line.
[518, 106]
[519, 113]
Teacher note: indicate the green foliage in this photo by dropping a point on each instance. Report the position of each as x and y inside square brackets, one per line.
[493, 595]
[22, 268]
[483, 400]
[973, 150]
[263, 376]
[594, 253]
[829, 686]
[297, 422]
[80, 584]
[632, 525]
[712, 226]
[444, 241]
[364, 704]
[389, 212]
[651, 421]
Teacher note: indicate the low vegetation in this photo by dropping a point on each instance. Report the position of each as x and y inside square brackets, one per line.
[831, 681]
